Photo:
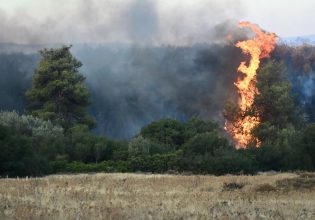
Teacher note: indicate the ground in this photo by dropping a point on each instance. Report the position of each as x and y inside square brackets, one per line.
[145, 196]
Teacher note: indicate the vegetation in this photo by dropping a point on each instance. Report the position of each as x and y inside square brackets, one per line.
[58, 93]
[56, 136]
[140, 196]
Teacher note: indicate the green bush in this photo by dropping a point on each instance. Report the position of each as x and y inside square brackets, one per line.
[105, 166]
[29, 125]
[20, 156]
[143, 146]
[167, 132]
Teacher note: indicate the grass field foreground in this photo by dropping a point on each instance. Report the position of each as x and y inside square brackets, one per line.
[148, 196]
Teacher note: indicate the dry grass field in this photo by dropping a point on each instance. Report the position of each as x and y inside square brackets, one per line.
[141, 196]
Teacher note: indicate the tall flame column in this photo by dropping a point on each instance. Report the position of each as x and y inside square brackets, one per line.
[259, 47]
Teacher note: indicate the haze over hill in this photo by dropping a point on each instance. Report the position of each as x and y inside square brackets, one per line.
[299, 40]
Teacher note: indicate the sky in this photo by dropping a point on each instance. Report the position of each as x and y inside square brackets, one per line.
[154, 21]
[287, 18]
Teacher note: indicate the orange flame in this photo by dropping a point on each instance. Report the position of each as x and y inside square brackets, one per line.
[259, 47]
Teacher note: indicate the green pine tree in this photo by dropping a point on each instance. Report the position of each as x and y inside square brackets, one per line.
[58, 92]
[274, 104]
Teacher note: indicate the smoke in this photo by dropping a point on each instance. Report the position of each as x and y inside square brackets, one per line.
[133, 85]
[143, 59]
[300, 70]
[15, 79]
[122, 21]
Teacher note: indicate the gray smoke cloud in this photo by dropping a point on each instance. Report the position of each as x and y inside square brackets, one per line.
[134, 85]
[143, 59]
[177, 22]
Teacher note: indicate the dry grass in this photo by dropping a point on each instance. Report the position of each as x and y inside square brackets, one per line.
[265, 188]
[139, 196]
[233, 186]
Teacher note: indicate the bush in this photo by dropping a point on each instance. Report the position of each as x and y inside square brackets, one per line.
[305, 145]
[84, 146]
[167, 132]
[28, 144]
[26, 124]
[197, 126]
[199, 152]
[156, 163]
[20, 156]
[105, 166]
[233, 186]
[143, 146]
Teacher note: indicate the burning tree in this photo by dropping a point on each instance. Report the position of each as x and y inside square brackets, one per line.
[275, 105]
[241, 123]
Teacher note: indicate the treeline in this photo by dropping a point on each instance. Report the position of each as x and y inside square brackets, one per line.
[34, 147]
[55, 136]
[131, 86]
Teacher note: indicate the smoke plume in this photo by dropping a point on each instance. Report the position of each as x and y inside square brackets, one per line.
[143, 59]
[124, 21]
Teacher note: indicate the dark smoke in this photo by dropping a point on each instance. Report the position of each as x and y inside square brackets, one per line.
[133, 85]
[143, 59]
[300, 69]
[15, 78]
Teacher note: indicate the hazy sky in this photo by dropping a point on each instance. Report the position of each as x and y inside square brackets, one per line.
[285, 17]
[26, 21]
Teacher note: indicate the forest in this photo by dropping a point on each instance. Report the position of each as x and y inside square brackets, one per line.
[152, 109]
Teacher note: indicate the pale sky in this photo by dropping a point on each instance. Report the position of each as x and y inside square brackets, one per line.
[58, 20]
[285, 17]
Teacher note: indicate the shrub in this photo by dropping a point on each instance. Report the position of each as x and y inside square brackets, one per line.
[20, 156]
[26, 124]
[233, 186]
[143, 146]
[265, 188]
[168, 132]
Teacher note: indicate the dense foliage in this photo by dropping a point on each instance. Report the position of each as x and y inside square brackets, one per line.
[56, 135]
[58, 93]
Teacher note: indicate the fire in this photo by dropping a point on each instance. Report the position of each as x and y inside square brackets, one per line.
[259, 47]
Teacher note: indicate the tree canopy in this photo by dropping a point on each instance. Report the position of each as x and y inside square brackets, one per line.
[274, 104]
[58, 92]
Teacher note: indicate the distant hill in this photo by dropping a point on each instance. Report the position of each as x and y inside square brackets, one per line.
[298, 40]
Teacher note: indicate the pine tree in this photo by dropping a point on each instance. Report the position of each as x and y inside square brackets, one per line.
[58, 92]
[274, 104]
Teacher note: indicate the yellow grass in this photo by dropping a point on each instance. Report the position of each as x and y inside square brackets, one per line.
[140, 196]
